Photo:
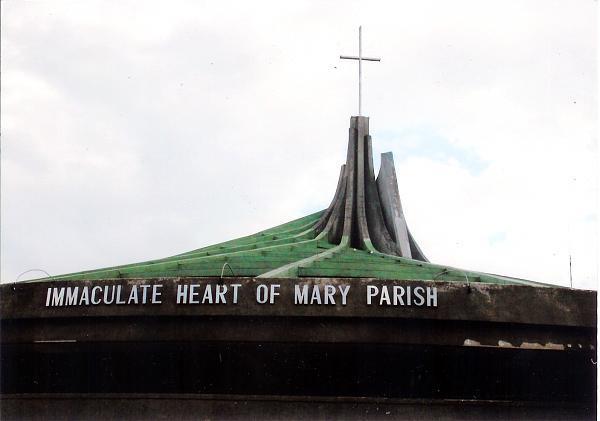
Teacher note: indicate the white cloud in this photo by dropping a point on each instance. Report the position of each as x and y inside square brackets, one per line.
[131, 133]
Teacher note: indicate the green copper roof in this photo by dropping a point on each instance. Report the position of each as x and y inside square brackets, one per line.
[288, 245]
[362, 234]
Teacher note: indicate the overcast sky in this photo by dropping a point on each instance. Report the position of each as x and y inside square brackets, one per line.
[138, 130]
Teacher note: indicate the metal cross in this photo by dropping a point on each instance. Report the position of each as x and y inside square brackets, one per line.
[360, 59]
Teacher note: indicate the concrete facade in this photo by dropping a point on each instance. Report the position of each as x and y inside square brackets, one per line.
[482, 352]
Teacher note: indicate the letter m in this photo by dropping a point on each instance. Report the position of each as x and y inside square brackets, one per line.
[300, 297]
[58, 296]
[71, 299]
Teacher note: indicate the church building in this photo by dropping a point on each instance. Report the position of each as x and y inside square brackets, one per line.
[338, 314]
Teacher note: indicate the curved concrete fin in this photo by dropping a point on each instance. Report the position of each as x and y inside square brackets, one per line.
[350, 186]
[377, 229]
[336, 223]
[335, 226]
[415, 249]
[363, 239]
[387, 185]
[322, 222]
[365, 212]
[333, 229]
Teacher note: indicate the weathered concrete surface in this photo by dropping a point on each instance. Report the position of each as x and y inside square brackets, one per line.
[455, 301]
[382, 238]
[300, 330]
[387, 185]
[371, 208]
[194, 406]
[339, 191]
[479, 341]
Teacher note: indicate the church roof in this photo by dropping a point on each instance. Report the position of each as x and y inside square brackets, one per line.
[291, 244]
[362, 234]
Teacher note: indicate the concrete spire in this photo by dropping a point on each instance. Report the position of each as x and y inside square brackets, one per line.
[366, 213]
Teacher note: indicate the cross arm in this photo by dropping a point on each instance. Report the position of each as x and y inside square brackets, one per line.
[362, 58]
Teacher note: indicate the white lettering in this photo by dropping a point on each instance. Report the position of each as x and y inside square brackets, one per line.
[300, 297]
[316, 295]
[194, 294]
[344, 293]
[58, 296]
[119, 300]
[385, 296]
[106, 294]
[72, 296]
[85, 296]
[94, 301]
[145, 293]
[431, 297]
[419, 299]
[329, 291]
[320, 294]
[220, 294]
[235, 292]
[274, 293]
[398, 292]
[372, 291]
[133, 296]
[48, 294]
[182, 294]
[207, 297]
[262, 294]
[156, 294]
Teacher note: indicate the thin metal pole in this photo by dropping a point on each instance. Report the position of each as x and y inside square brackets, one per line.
[570, 272]
[359, 70]
[360, 59]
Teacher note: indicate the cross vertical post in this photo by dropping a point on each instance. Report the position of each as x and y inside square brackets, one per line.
[360, 59]
[359, 70]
